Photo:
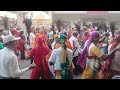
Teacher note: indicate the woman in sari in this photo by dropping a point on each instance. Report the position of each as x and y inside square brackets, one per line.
[39, 53]
[43, 34]
[22, 42]
[67, 40]
[36, 36]
[90, 58]
[61, 58]
[112, 65]
[55, 44]
[86, 36]
[40, 33]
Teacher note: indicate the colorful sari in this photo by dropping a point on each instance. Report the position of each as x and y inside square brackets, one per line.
[1, 46]
[66, 71]
[82, 58]
[65, 65]
[39, 53]
[107, 73]
[88, 59]
[93, 64]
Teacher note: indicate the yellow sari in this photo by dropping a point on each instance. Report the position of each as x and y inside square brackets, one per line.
[89, 72]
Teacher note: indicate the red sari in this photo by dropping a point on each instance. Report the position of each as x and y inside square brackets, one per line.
[39, 53]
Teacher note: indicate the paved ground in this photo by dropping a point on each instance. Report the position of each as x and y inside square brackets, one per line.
[25, 63]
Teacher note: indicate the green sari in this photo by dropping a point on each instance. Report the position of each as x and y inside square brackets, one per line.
[65, 72]
[1, 46]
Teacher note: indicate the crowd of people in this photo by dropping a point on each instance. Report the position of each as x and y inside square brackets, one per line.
[60, 54]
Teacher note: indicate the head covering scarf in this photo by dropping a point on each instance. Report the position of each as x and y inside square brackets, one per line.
[36, 39]
[40, 41]
[82, 59]
[63, 43]
[62, 39]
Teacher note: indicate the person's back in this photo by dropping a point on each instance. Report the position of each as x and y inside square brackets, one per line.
[5, 59]
[56, 58]
[38, 55]
[41, 69]
[59, 51]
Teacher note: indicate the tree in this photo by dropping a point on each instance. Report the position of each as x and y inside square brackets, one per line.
[28, 23]
[99, 27]
[53, 27]
[104, 27]
[112, 28]
[77, 26]
[5, 20]
[59, 24]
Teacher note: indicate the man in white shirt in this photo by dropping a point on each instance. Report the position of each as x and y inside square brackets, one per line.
[50, 35]
[75, 46]
[32, 40]
[74, 43]
[9, 67]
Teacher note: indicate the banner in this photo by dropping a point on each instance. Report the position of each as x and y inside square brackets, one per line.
[97, 12]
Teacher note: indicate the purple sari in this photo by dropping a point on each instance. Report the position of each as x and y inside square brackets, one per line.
[82, 58]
